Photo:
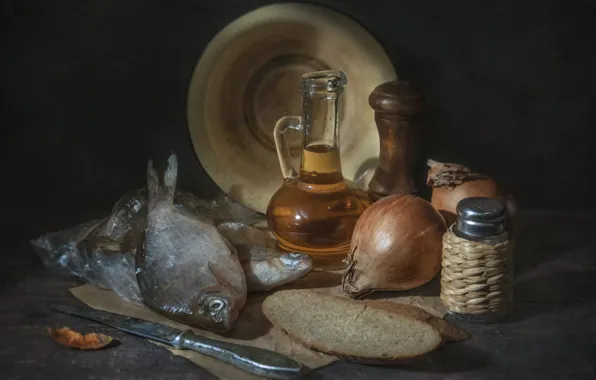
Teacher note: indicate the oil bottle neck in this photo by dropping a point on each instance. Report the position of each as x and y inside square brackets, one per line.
[320, 155]
[321, 119]
[321, 94]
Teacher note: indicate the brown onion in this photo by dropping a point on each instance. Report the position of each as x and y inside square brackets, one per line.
[396, 245]
[453, 182]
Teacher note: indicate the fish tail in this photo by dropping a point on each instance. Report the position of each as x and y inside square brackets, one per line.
[152, 181]
[155, 190]
[170, 174]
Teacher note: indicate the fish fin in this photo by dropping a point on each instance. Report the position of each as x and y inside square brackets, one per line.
[152, 181]
[170, 174]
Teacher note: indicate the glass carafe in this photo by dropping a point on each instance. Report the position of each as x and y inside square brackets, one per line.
[316, 209]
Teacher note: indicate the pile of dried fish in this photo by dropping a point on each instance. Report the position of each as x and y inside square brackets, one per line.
[190, 259]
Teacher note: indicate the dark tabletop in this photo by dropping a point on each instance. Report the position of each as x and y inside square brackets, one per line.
[551, 334]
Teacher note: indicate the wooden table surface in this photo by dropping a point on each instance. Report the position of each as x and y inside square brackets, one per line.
[551, 334]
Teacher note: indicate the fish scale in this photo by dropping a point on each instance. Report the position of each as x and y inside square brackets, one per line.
[176, 258]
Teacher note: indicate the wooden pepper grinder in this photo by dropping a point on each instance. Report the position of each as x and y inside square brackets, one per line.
[396, 105]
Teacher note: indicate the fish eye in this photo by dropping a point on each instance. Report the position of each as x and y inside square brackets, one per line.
[217, 304]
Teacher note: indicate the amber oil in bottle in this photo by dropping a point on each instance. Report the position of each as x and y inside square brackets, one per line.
[316, 210]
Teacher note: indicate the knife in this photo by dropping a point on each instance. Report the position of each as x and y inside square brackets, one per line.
[258, 361]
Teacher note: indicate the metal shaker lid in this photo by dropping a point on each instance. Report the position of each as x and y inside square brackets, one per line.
[480, 217]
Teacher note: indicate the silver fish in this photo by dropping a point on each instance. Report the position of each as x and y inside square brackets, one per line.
[266, 269]
[185, 269]
[242, 233]
[222, 208]
[128, 216]
[126, 220]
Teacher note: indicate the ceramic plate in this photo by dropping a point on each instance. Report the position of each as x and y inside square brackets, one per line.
[248, 77]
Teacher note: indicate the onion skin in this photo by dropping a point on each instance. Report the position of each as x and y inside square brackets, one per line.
[453, 182]
[396, 245]
[445, 198]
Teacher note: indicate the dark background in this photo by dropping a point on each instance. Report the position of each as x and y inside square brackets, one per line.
[91, 89]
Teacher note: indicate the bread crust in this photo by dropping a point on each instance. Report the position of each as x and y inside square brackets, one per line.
[413, 313]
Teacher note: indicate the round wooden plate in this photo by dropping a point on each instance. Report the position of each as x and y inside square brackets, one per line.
[248, 77]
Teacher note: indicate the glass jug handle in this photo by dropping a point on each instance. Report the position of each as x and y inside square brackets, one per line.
[281, 144]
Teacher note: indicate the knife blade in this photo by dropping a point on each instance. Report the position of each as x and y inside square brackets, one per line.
[255, 360]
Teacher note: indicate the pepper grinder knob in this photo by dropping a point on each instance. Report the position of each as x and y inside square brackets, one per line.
[397, 105]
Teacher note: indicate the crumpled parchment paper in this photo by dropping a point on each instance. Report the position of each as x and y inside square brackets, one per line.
[253, 328]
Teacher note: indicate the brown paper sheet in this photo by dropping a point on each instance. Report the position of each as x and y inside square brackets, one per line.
[253, 328]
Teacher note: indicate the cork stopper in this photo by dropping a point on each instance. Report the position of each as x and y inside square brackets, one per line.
[396, 97]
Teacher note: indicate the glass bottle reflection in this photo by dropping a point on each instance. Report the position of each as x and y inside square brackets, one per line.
[316, 209]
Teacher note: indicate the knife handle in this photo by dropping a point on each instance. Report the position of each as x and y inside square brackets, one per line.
[255, 360]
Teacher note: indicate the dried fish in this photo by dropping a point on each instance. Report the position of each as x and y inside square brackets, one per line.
[185, 269]
[242, 233]
[266, 268]
[121, 231]
[110, 244]
[125, 222]
[70, 338]
[221, 209]
[64, 252]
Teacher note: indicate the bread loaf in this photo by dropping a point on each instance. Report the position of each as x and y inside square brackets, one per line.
[363, 331]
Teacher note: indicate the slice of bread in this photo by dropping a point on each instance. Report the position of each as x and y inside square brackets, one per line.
[350, 329]
[449, 332]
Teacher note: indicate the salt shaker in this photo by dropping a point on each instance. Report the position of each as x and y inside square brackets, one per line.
[476, 275]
